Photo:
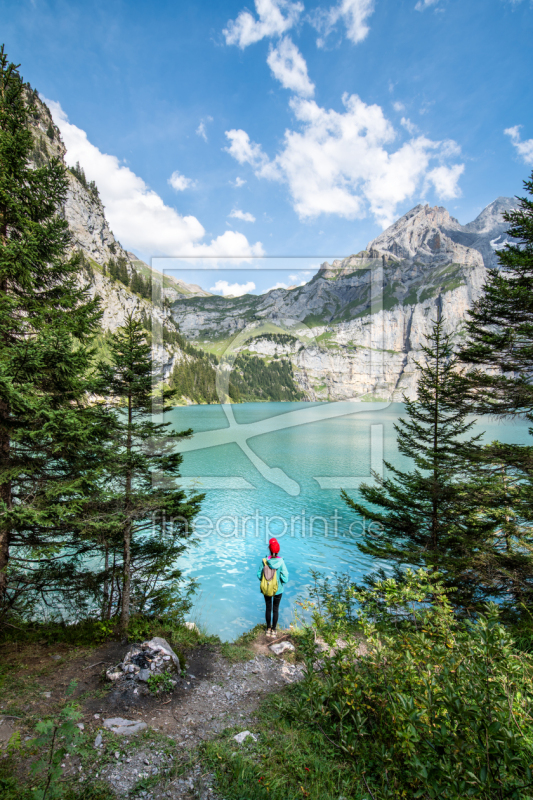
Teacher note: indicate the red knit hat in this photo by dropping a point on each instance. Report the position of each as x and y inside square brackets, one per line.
[273, 546]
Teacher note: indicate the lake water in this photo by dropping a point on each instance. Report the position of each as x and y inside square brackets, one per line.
[276, 469]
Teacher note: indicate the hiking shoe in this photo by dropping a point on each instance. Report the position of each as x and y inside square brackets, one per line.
[270, 633]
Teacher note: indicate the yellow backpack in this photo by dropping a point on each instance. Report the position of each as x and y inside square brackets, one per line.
[269, 580]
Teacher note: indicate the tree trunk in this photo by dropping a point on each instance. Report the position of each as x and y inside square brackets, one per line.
[5, 452]
[126, 587]
[435, 504]
[112, 588]
[5, 497]
[105, 599]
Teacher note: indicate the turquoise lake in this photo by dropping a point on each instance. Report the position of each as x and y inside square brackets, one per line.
[276, 469]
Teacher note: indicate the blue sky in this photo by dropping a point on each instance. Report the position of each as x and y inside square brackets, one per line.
[279, 127]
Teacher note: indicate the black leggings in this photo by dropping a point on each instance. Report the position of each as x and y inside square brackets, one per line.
[272, 611]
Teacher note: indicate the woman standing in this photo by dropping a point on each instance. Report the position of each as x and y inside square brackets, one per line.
[272, 573]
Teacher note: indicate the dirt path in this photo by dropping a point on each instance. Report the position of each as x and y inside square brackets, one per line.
[217, 693]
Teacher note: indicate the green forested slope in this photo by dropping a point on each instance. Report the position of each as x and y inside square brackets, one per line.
[252, 378]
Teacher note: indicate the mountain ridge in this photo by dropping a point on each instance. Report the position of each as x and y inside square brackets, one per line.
[427, 261]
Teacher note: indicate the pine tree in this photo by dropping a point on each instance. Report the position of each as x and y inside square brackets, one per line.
[500, 325]
[144, 507]
[112, 268]
[429, 517]
[499, 381]
[46, 320]
[122, 271]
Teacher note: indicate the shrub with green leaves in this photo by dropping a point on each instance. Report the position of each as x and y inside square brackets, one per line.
[56, 737]
[435, 708]
[160, 683]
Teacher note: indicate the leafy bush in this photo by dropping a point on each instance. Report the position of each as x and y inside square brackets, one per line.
[435, 708]
[160, 683]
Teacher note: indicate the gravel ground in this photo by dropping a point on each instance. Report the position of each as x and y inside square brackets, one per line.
[226, 698]
[216, 693]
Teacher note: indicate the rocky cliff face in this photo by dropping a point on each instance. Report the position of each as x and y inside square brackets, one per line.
[359, 324]
[90, 230]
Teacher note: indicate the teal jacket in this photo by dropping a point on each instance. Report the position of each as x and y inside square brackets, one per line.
[283, 572]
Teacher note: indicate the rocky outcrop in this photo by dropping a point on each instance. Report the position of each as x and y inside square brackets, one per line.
[90, 231]
[85, 214]
[424, 235]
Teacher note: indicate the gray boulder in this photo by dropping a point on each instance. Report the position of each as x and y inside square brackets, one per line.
[124, 727]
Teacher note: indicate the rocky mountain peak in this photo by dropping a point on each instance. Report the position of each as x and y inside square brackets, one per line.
[430, 235]
[492, 215]
[423, 235]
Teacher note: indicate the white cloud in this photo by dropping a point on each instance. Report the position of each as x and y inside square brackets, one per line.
[342, 162]
[275, 18]
[243, 150]
[353, 13]
[137, 215]
[399, 107]
[232, 289]
[179, 182]
[409, 126]
[423, 4]
[445, 180]
[244, 215]
[238, 182]
[289, 67]
[524, 149]
[201, 130]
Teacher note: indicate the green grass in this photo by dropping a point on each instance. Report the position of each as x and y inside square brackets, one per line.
[236, 653]
[453, 285]
[315, 320]
[289, 761]
[240, 649]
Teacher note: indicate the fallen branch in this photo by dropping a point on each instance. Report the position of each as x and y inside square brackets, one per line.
[367, 787]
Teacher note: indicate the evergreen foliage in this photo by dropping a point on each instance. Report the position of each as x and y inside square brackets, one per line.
[47, 436]
[277, 338]
[141, 285]
[500, 325]
[256, 379]
[429, 517]
[118, 269]
[141, 518]
[252, 378]
[79, 173]
[195, 378]
[40, 153]
[499, 352]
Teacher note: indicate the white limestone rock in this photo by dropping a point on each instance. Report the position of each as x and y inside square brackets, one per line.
[124, 727]
[240, 738]
[281, 647]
